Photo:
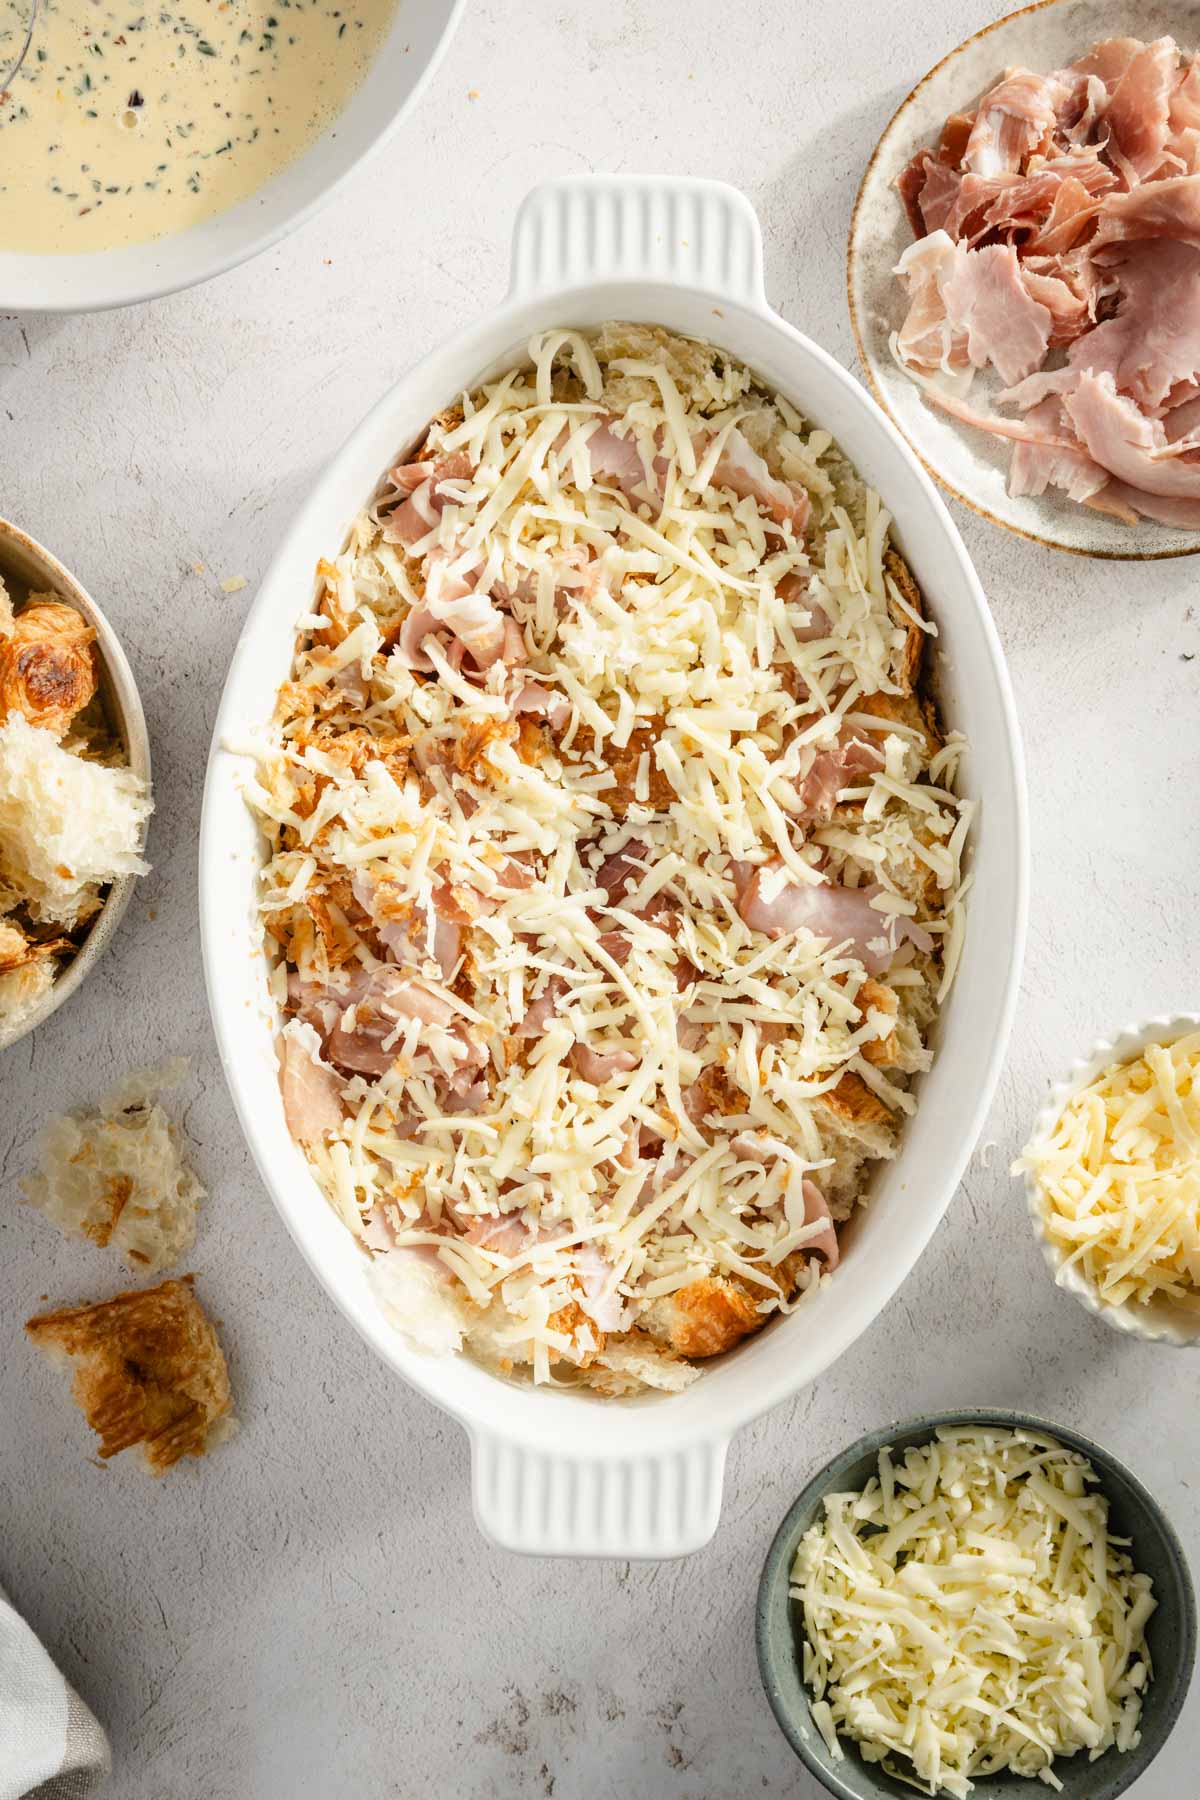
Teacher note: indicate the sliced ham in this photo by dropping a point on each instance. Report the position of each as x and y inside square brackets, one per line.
[1021, 204]
[1109, 60]
[1181, 417]
[1036, 467]
[506, 1234]
[1183, 120]
[956, 135]
[1070, 215]
[312, 1091]
[1156, 209]
[970, 305]
[1153, 341]
[762, 1148]
[1120, 437]
[377, 1232]
[618, 459]
[793, 590]
[966, 218]
[1138, 111]
[515, 874]
[986, 298]
[453, 598]
[909, 184]
[415, 517]
[1070, 316]
[927, 340]
[401, 926]
[1183, 153]
[382, 1004]
[461, 903]
[543, 703]
[1184, 515]
[466, 1096]
[574, 572]
[743, 472]
[1035, 389]
[427, 497]
[599, 1066]
[621, 872]
[541, 1011]
[1014, 121]
[362, 1023]
[838, 914]
[816, 1210]
[930, 190]
[1076, 270]
[1015, 202]
[410, 476]
[513, 653]
[420, 623]
[1088, 100]
[599, 1297]
[1020, 430]
[834, 769]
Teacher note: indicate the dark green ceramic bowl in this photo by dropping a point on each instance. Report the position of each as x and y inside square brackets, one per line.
[1170, 1634]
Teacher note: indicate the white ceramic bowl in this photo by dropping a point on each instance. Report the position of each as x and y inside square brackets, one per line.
[1162, 1321]
[394, 82]
[566, 1472]
[972, 465]
[25, 566]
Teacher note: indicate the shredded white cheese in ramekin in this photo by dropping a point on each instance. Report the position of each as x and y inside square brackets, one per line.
[970, 1612]
[1118, 1177]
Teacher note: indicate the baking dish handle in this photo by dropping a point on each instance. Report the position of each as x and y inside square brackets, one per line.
[588, 229]
[551, 1503]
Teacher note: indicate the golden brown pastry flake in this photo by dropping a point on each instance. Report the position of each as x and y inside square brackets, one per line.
[148, 1371]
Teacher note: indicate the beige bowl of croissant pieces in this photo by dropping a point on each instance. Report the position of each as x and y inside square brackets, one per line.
[74, 783]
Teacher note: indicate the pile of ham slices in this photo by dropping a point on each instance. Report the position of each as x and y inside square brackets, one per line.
[1058, 243]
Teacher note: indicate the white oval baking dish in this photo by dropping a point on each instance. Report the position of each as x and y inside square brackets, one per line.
[97, 279]
[1163, 1321]
[557, 1472]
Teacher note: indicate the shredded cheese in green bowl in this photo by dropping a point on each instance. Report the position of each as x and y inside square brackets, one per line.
[975, 1598]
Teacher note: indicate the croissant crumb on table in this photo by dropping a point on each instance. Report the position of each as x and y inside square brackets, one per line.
[148, 1371]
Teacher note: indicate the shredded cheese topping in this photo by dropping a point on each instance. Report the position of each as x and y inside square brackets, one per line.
[1118, 1177]
[603, 789]
[971, 1612]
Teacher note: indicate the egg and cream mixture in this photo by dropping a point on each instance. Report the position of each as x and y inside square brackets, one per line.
[128, 123]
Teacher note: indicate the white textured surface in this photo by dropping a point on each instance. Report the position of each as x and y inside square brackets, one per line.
[313, 1612]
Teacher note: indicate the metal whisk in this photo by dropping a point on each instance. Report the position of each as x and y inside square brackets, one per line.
[10, 74]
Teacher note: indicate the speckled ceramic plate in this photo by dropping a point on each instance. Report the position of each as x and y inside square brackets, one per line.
[1133, 1513]
[972, 465]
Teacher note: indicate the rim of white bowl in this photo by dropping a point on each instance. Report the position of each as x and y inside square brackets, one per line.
[124, 289]
[1161, 1321]
[123, 704]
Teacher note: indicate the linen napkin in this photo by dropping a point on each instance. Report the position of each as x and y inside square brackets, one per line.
[50, 1745]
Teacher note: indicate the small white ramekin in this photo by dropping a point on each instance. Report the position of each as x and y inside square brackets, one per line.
[1161, 1321]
